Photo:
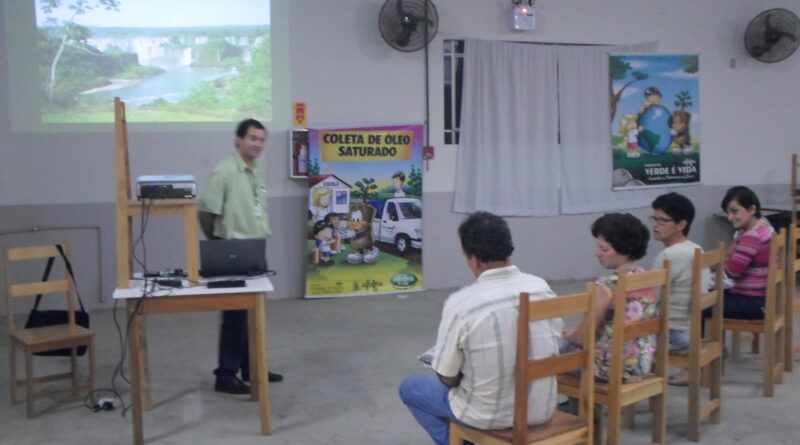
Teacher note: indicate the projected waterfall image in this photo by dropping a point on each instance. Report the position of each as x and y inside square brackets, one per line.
[169, 60]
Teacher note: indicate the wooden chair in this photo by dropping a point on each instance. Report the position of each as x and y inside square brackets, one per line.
[792, 297]
[793, 266]
[773, 326]
[49, 338]
[615, 394]
[562, 428]
[704, 355]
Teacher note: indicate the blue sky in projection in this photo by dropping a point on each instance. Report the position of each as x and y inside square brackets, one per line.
[169, 13]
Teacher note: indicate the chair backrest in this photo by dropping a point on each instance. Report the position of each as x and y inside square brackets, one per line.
[701, 300]
[775, 304]
[62, 285]
[794, 227]
[528, 370]
[793, 260]
[658, 280]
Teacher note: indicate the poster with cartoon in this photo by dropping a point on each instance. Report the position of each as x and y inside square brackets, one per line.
[655, 119]
[364, 211]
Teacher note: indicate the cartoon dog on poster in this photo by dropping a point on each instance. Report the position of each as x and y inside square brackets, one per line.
[363, 244]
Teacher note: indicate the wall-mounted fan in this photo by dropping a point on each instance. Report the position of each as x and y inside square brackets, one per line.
[772, 35]
[403, 23]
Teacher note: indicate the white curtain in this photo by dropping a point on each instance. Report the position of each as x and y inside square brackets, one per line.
[585, 119]
[508, 156]
[518, 99]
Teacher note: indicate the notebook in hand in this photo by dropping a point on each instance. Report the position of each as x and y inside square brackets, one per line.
[233, 257]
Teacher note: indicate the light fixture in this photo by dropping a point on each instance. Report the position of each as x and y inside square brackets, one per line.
[523, 15]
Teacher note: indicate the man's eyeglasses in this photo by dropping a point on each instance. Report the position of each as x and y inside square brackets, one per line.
[660, 219]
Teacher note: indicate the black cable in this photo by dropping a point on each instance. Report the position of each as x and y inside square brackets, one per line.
[119, 369]
[427, 81]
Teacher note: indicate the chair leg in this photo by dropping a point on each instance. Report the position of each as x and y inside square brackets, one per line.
[736, 344]
[724, 354]
[73, 370]
[12, 363]
[659, 419]
[29, 383]
[715, 387]
[630, 416]
[600, 425]
[769, 364]
[694, 404]
[92, 394]
[613, 424]
[755, 344]
[780, 359]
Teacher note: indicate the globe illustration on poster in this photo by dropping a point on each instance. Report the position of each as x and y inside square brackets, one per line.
[655, 137]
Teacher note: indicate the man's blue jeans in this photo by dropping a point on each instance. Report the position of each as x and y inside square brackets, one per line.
[426, 398]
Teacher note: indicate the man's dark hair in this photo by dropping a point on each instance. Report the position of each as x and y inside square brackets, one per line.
[245, 125]
[399, 174]
[678, 207]
[626, 234]
[486, 236]
[744, 196]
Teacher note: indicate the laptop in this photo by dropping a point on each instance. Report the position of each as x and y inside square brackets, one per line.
[233, 257]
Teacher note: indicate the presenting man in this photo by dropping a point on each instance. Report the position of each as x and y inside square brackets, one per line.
[671, 220]
[234, 206]
[475, 348]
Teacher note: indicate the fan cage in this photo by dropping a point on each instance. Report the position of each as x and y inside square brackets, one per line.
[391, 25]
[782, 20]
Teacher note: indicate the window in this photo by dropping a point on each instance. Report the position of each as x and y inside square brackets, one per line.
[453, 75]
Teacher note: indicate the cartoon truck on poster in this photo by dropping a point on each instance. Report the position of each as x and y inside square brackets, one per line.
[398, 221]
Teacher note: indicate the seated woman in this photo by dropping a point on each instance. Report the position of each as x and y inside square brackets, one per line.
[621, 241]
[748, 257]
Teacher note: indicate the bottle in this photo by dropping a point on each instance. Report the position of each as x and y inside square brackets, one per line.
[302, 159]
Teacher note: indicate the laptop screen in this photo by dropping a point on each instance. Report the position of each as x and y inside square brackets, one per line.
[233, 257]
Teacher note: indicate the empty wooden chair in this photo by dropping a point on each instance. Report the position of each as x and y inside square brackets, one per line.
[773, 326]
[704, 355]
[48, 338]
[792, 298]
[562, 428]
[792, 267]
[616, 394]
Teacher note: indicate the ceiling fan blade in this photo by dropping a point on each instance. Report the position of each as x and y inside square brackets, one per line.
[788, 35]
[420, 18]
[760, 50]
[400, 11]
[405, 37]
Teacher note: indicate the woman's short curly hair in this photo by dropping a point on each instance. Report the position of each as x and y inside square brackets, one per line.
[625, 232]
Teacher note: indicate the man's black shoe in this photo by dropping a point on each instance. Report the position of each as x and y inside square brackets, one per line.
[231, 385]
[273, 377]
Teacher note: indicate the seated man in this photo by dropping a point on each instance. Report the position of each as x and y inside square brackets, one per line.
[671, 220]
[475, 348]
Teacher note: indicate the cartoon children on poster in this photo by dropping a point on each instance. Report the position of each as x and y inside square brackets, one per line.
[654, 119]
[364, 211]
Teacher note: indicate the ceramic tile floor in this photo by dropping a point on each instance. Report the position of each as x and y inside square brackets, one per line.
[342, 360]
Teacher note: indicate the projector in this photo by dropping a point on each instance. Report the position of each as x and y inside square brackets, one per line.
[523, 18]
[165, 187]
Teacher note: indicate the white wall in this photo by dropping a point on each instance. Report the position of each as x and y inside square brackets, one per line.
[339, 65]
[747, 111]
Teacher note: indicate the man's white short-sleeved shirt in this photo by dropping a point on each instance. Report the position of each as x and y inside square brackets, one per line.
[477, 337]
